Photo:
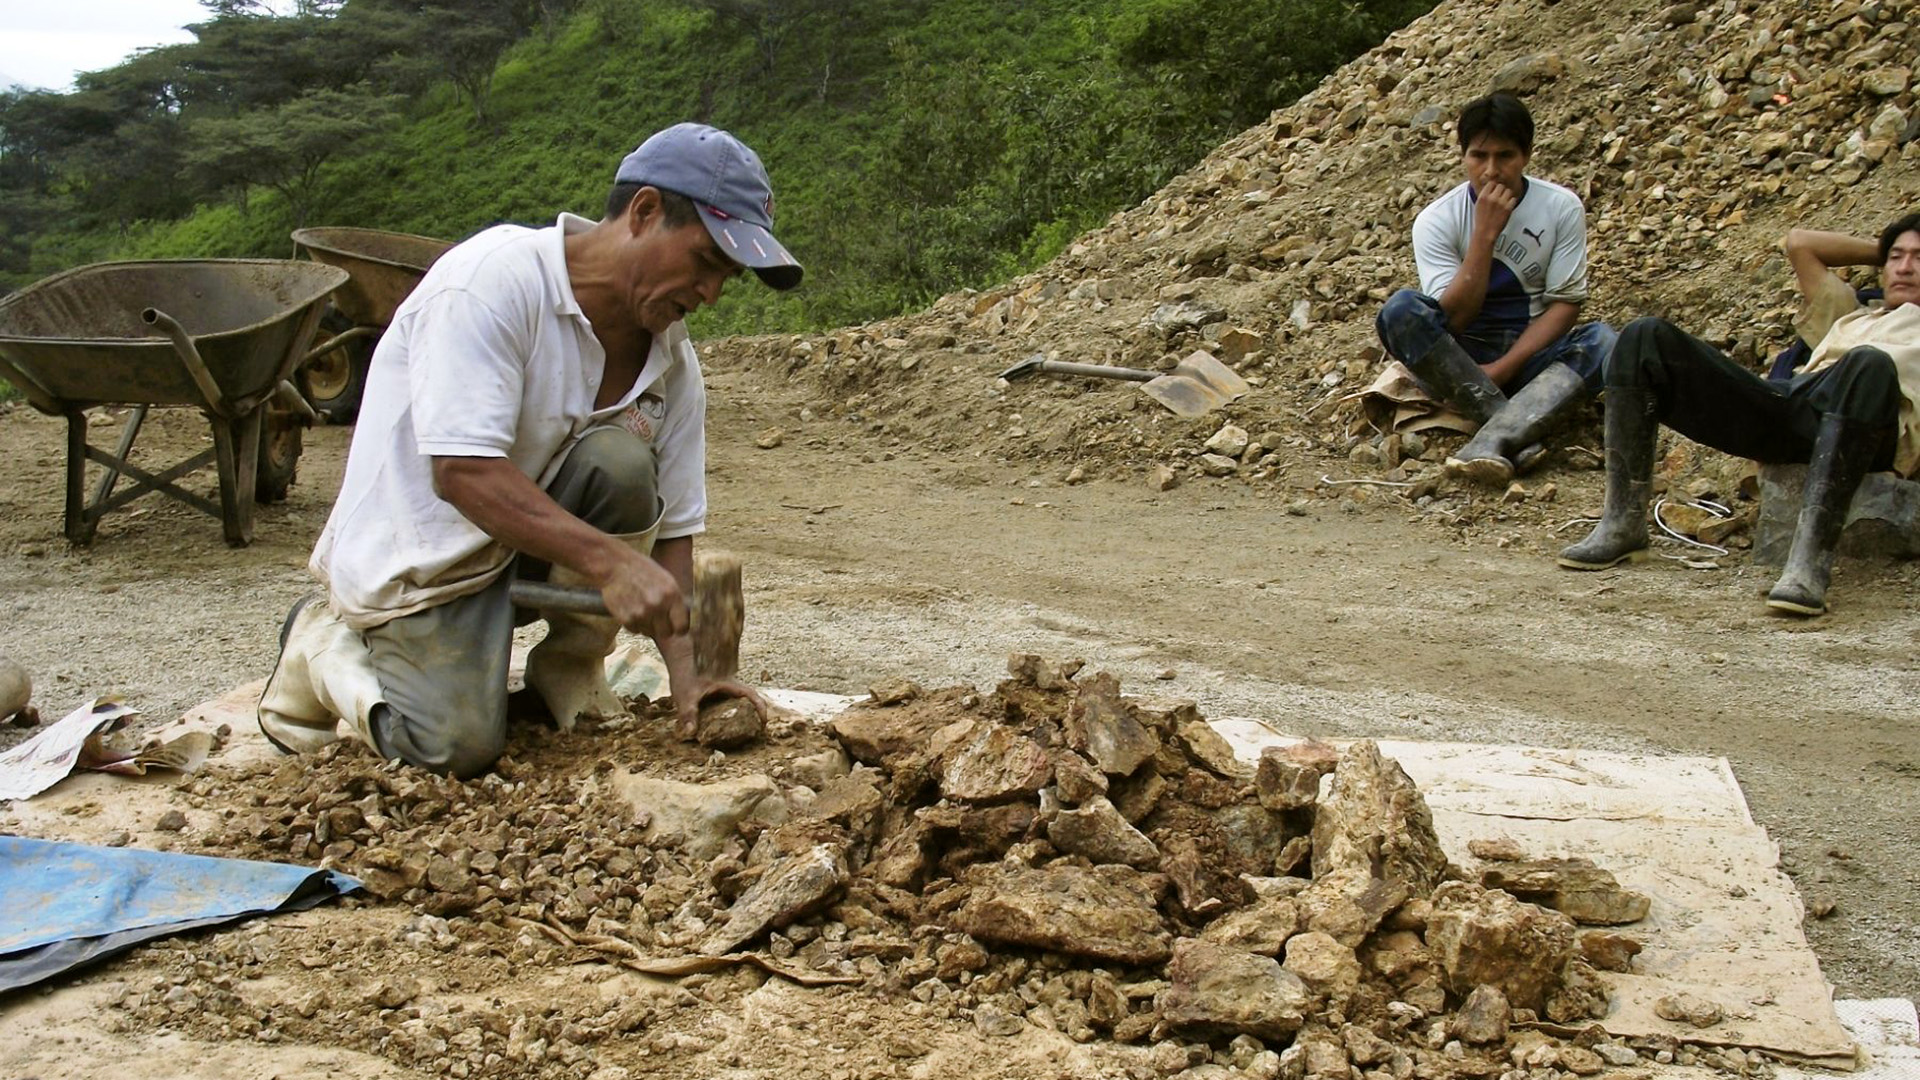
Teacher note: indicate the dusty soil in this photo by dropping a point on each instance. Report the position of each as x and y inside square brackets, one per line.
[1328, 611]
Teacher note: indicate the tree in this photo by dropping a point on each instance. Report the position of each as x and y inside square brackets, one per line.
[286, 147]
[459, 42]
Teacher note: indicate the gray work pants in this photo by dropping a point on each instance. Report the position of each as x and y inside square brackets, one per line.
[444, 670]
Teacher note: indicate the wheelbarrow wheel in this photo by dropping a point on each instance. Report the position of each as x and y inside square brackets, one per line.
[332, 381]
[280, 445]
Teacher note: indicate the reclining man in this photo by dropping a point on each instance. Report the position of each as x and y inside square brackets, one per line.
[534, 411]
[1503, 272]
[1850, 409]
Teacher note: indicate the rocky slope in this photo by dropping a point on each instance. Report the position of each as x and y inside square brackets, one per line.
[1696, 133]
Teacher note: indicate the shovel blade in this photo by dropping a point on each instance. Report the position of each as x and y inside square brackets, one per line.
[1197, 385]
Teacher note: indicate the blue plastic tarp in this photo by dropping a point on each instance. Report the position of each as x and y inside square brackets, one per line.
[63, 905]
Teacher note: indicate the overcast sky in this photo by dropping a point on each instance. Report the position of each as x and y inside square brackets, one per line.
[45, 43]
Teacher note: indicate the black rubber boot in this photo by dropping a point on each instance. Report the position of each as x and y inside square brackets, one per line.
[1489, 457]
[1622, 532]
[1842, 452]
[1452, 376]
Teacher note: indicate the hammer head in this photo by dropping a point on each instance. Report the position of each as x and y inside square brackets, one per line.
[717, 614]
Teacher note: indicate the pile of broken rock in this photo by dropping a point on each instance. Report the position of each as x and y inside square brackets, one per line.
[1050, 855]
[1206, 896]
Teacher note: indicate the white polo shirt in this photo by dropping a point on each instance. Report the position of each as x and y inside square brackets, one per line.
[490, 356]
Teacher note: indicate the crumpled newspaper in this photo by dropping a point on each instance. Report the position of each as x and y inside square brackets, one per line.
[80, 741]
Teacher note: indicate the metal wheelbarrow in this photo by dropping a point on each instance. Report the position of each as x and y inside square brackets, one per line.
[220, 335]
[382, 268]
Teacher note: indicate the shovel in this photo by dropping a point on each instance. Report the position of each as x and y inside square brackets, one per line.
[1197, 385]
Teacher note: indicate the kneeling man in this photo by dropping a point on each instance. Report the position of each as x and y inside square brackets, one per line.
[535, 411]
[1854, 406]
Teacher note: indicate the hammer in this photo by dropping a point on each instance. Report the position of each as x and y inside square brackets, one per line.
[716, 611]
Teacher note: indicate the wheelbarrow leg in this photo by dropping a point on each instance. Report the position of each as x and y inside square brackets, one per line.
[79, 525]
[236, 445]
[127, 435]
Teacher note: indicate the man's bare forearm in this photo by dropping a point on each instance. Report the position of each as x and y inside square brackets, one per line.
[1467, 292]
[1548, 327]
[1814, 254]
[1831, 249]
[511, 508]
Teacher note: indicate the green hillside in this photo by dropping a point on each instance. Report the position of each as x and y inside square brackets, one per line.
[916, 146]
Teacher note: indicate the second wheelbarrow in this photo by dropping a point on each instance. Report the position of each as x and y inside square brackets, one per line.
[382, 268]
[222, 335]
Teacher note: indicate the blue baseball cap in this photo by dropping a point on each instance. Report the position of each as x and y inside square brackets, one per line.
[727, 183]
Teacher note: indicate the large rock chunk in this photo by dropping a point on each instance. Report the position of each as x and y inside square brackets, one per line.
[875, 736]
[1482, 1018]
[1223, 989]
[1101, 726]
[1374, 824]
[1107, 913]
[853, 801]
[1074, 780]
[794, 885]
[1485, 936]
[1029, 669]
[1348, 909]
[730, 725]
[16, 689]
[1574, 887]
[1287, 779]
[994, 763]
[1207, 875]
[1098, 832]
[1326, 967]
[1609, 951]
[1255, 836]
[700, 818]
[1261, 928]
[1210, 750]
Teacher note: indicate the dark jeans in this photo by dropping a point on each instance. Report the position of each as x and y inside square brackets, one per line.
[1703, 395]
[1412, 323]
[444, 670]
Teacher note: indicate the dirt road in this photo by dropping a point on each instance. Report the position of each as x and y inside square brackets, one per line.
[1342, 616]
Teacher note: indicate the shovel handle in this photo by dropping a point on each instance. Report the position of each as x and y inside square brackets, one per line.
[546, 596]
[1097, 371]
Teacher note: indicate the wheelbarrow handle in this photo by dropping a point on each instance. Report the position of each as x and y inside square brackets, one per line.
[189, 358]
[546, 596]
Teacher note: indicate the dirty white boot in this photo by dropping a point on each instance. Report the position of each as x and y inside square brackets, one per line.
[568, 668]
[325, 675]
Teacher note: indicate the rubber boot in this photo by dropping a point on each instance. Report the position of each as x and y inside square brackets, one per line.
[1842, 452]
[324, 675]
[1622, 533]
[1489, 457]
[568, 668]
[1452, 376]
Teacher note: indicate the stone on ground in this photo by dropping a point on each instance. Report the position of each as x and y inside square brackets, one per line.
[1222, 989]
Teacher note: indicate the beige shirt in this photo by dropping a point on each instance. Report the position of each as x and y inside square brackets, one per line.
[1835, 318]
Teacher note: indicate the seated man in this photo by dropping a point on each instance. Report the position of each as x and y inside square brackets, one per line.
[534, 411]
[1850, 409]
[1503, 272]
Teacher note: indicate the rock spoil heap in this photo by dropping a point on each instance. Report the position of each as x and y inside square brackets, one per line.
[1696, 133]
